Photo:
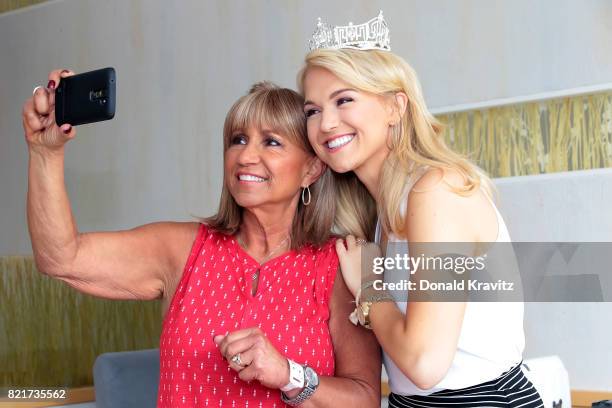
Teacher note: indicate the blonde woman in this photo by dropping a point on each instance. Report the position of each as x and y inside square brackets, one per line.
[367, 120]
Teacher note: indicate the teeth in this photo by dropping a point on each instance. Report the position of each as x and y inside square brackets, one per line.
[340, 141]
[248, 177]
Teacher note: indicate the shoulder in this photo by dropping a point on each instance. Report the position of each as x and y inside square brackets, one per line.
[436, 177]
[178, 237]
[183, 232]
[434, 192]
[326, 248]
[324, 258]
[168, 233]
[436, 212]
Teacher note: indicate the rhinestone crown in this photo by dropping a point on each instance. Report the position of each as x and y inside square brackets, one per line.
[371, 35]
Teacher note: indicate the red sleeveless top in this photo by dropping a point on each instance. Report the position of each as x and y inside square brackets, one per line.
[213, 297]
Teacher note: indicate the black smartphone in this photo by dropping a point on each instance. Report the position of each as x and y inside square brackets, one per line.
[86, 98]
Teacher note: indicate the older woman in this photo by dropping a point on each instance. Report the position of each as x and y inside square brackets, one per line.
[252, 303]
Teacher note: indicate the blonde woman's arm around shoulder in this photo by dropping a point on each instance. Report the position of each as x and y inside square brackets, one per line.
[423, 341]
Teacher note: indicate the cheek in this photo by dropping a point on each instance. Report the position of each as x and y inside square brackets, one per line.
[312, 130]
[373, 121]
[228, 161]
[360, 114]
[288, 173]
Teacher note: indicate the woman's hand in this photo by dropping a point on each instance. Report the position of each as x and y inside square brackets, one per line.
[260, 359]
[38, 117]
[351, 257]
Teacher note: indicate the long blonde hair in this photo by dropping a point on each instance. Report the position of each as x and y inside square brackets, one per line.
[415, 143]
[282, 110]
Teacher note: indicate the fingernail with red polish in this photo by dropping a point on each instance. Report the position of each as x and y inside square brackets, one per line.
[67, 130]
[51, 84]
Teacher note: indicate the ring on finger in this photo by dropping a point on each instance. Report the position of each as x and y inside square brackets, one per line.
[361, 241]
[236, 360]
[36, 89]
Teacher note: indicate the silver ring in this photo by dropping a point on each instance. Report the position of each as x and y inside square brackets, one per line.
[34, 91]
[236, 360]
[361, 241]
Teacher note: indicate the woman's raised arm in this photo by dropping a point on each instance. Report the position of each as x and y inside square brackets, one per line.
[134, 264]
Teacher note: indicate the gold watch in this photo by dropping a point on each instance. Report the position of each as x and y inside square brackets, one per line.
[364, 306]
[363, 314]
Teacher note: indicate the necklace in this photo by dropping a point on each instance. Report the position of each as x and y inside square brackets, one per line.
[267, 256]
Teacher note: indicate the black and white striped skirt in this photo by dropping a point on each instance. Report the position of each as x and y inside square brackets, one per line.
[511, 389]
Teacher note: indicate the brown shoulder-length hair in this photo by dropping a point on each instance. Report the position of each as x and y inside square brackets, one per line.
[282, 110]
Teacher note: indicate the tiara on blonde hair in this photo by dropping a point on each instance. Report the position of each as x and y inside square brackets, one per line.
[371, 35]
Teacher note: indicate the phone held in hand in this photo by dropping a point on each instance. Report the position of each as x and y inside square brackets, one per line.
[86, 98]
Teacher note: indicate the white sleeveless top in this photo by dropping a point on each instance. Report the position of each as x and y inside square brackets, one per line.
[491, 340]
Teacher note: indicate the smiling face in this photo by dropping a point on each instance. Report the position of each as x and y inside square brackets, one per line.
[347, 128]
[262, 167]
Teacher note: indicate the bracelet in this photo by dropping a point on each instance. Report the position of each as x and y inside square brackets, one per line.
[378, 297]
[368, 284]
[361, 314]
[363, 287]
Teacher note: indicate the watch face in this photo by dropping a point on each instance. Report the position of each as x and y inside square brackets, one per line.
[312, 379]
[360, 316]
[363, 312]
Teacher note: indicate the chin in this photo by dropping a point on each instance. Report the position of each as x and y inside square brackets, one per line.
[246, 202]
[342, 166]
[342, 170]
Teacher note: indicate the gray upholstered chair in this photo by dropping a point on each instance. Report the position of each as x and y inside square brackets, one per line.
[127, 379]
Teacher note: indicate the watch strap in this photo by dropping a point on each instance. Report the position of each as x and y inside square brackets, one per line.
[296, 376]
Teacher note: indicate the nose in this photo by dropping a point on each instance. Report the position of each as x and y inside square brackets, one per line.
[249, 155]
[329, 120]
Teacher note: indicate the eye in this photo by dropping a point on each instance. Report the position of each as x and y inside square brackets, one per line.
[310, 112]
[238, 139]
[270, 141]
[342, 101]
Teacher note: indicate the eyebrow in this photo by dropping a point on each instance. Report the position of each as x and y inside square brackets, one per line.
[332, 95]
[270, 131]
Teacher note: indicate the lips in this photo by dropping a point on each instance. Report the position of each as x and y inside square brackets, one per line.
[339, 141]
